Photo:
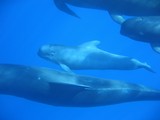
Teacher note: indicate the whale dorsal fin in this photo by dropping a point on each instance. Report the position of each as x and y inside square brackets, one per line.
[61, 5]
[156, 47]
[90, 44]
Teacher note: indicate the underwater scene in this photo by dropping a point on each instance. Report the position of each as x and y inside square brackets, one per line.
[79, 60]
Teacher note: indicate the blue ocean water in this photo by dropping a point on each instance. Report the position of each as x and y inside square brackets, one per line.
[25, 25]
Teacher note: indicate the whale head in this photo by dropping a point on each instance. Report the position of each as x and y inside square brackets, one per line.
[50, 52]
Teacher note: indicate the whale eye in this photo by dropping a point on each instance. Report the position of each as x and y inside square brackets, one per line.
[139, 19]
[53, 52]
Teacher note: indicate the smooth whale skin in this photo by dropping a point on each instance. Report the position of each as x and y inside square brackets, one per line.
[114, 7]
[88, 56]
[145, 29]
[56, 88]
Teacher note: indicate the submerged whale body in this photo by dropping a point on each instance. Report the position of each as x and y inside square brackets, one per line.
[88, 56]
[56, 88]
[114, 7]
[145, 29]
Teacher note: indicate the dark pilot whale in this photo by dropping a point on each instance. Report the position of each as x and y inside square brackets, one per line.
[145, 29]
[88, 56]
[56, 88]
[116, 8]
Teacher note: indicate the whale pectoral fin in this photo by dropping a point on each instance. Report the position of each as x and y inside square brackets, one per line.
[60, 4]
[66, 68]
[90, 44]
[148, 67]
[156, 47]
[117, 18]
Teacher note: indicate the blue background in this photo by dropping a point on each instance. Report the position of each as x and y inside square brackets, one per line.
[28, 24]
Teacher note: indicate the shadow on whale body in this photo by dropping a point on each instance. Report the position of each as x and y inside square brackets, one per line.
[63, 89]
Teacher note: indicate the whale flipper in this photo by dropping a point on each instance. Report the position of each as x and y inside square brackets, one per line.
[117, 18]
[148, 67]
[156, 47]
[66, 68]
[90, 44]
[63, 7]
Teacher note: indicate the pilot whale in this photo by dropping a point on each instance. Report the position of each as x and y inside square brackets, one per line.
[145, 29]
[116, 8]
[57, 88]
[88, 56]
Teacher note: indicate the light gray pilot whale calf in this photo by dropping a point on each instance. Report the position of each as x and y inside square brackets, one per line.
[115, 7]
[88, 56]
[56, 88]
[145, 29]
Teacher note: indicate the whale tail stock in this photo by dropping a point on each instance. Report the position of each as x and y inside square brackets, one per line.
[151, 95]
[143, 65]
